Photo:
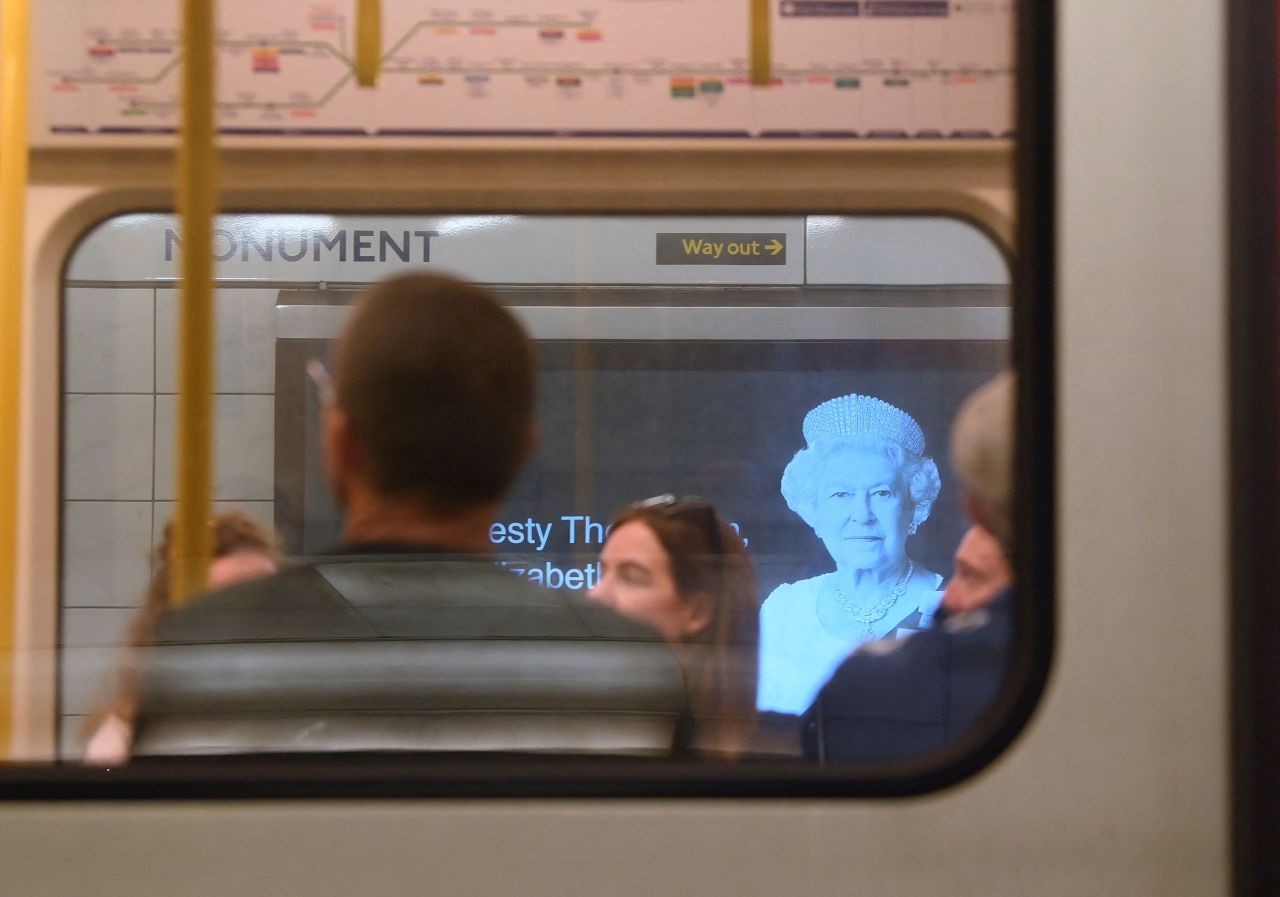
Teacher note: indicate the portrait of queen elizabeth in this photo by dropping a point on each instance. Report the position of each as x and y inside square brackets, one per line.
[864, 484]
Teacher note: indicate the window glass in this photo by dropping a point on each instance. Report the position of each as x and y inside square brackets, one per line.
[797, 374]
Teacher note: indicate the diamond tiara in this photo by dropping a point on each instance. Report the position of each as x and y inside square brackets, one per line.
[857, 415]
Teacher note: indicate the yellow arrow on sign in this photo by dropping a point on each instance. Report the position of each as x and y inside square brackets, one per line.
[774, 247]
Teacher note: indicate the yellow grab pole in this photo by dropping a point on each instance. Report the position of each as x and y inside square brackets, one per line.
[197, 204]
[761, 69]
[368, 41]
[15, 27]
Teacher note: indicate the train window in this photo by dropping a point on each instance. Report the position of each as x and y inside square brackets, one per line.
[798, 374]
[526, 484]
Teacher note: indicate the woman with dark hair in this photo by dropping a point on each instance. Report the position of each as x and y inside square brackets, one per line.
[676, 566]
[242, 550]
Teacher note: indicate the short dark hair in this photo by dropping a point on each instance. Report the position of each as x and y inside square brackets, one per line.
[437, 380]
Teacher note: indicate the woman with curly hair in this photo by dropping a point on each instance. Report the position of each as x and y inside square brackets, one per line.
[242, 550]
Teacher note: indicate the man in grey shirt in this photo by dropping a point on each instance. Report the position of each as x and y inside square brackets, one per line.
[407, 636]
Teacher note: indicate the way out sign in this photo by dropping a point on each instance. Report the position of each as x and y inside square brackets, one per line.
[722, 249]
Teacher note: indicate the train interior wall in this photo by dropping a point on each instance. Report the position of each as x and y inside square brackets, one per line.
[1119, 784]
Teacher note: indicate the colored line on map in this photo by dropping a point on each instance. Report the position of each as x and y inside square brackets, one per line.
[135, 129]
[908, 9]
[820, 8]
[462, 132]
[845, 78]
[324, 18]
[301, 132]
[548, 132]
[266, 60]
[590, 34]
[809, 135]
[454, 24]
[430, 80]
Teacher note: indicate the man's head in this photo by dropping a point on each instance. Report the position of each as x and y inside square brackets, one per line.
[982, 454]
[981, 572]
[434, 398]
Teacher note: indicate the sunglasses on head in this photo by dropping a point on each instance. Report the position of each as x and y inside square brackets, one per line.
[696, 510]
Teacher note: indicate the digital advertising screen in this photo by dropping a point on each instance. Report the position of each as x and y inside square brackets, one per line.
[625, 420]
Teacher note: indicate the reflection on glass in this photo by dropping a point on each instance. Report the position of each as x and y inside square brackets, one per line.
[386, 631]
[406, 636]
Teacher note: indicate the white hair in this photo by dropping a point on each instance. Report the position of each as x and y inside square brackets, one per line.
[800, 479]
[982, 453]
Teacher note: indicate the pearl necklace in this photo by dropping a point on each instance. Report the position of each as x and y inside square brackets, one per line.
[868, 615]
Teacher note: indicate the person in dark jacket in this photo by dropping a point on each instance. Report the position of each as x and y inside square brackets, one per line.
[899, 701]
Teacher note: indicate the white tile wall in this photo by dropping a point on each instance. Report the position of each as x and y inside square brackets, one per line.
[88, 677]
[93, 648]
[118, 465]
[106, 547]
[96, 627]
[261, 511]
[105, 329]
[72, 738]
[245, 327]
[244, 448]
[107, 445]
